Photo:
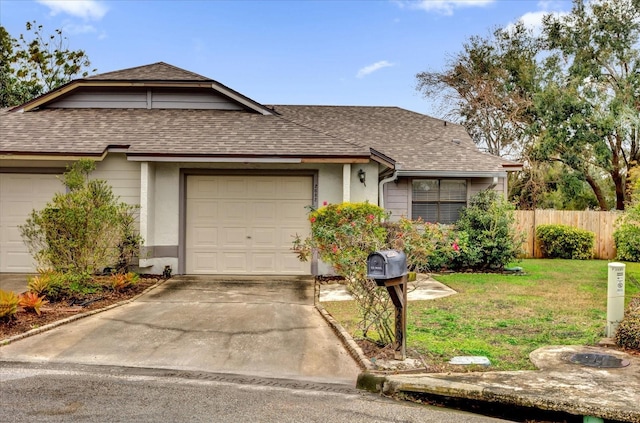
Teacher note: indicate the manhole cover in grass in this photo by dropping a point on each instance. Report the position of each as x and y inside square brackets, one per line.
[598, 360]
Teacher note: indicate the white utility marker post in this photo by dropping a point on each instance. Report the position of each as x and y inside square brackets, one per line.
[615, 297]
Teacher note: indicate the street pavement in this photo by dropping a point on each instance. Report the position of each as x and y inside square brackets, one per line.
[72, 393]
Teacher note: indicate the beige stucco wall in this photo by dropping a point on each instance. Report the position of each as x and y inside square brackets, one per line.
[122, 175]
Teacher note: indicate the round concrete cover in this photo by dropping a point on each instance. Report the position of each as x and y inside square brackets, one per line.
[598, 360]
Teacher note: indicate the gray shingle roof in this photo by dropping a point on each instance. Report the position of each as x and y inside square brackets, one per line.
[154, 72]
[165, 131]
[415, 141]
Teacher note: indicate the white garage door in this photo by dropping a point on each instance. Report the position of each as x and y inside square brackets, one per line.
[19, 195]
[246, 224]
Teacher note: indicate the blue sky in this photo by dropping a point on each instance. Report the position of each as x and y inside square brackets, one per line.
[282, 52]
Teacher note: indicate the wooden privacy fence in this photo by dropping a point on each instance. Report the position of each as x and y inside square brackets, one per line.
[601, 223]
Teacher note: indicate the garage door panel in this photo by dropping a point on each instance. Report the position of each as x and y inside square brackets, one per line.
[205, 237]
[233, 211]
[264, 188]
[233, 262]
[264, 238]
[292, 210]
[18, 261]
[205, 210]
[233, 237]
[263, 211]
[204, 260]
[257, 219]
[264, 262]
[203, 188]
[12, 235]
[233, 187]
[294, 189]
[16, 210]
[20, 194]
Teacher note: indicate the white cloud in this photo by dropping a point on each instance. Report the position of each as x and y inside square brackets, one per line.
[74, 29]
[533, 20]
[372, 68]
[446, 7]
[86, 9]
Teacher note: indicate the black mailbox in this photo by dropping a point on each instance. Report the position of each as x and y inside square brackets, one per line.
[386, 264]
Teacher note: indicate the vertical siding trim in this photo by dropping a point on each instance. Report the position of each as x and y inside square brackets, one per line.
[346, 182]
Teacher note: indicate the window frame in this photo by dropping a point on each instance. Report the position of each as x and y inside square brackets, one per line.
[439, 200]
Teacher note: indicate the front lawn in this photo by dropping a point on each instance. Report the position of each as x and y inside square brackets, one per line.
[505, 317]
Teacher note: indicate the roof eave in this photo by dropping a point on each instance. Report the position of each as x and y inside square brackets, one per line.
[203, 158]
[451, 174]
[512, 167]
[383, 159]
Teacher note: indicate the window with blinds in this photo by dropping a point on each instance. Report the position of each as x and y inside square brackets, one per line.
[438, 200]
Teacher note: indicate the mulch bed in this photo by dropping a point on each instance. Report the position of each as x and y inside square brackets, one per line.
[375, 351]
[24, 321]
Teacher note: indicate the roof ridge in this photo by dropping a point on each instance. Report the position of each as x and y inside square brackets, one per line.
[133, 70]
[182, 70]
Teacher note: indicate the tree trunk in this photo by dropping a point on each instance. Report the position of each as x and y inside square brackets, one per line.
[620, 185]
[602, 201]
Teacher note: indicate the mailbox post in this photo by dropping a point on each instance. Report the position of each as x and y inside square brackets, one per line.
[389, 269]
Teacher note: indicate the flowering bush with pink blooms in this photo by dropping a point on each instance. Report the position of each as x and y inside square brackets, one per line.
[344, 235]
[429, 246]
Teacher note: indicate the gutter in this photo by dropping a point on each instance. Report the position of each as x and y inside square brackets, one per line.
[451, 174]
[381, 185]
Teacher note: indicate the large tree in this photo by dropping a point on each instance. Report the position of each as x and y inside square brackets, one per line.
[489, 85]
[36, 63]
[571, 95]
[589, 105]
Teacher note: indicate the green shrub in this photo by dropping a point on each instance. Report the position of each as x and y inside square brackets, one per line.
[83, 230]
[483, 238]
[628, 332]
[627, 235]
[488, 228]
[57, 286]
[567, 242]
[428, 246]
[627, 239]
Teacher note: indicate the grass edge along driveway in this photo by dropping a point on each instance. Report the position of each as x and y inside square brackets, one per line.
[505, 317]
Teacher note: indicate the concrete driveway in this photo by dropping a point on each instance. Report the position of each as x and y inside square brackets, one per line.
[260, 326]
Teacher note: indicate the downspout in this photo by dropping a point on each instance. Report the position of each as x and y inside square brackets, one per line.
[381, 185]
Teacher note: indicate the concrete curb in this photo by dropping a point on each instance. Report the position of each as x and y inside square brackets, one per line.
[558, 385]
[393, 385]
[75, 317]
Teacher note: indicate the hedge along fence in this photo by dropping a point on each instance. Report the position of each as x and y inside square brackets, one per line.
[601, 223]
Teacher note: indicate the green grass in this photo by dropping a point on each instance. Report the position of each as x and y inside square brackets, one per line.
[505, 317]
